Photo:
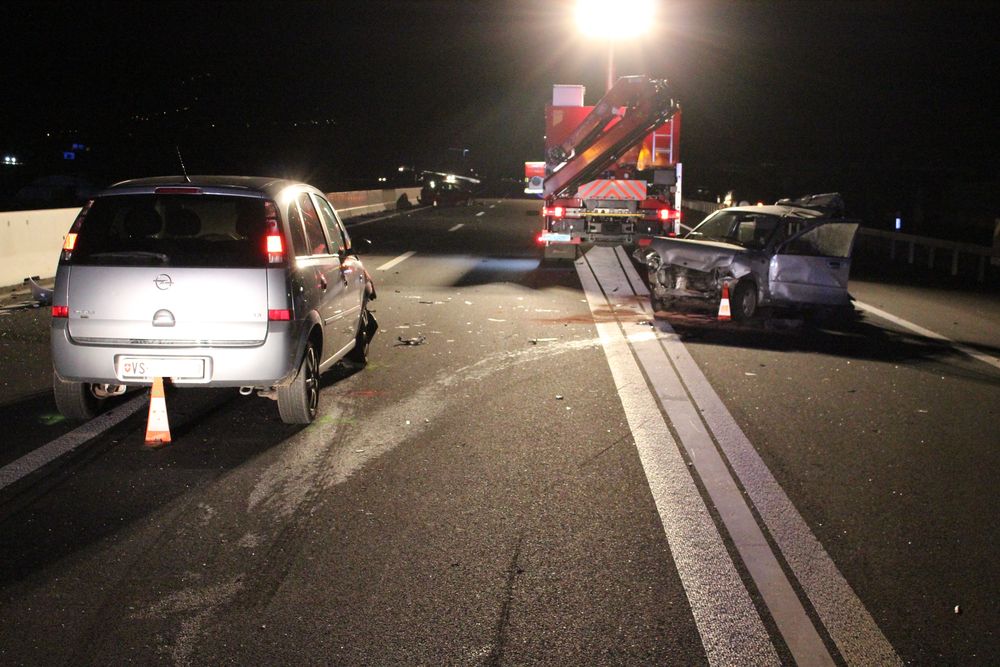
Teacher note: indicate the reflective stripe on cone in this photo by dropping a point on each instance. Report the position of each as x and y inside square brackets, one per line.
[157, 426]
[724, 312]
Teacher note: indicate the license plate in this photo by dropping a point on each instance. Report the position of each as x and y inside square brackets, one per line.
[147, 368]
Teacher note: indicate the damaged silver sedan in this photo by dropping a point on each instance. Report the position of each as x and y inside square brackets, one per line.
[778, 255]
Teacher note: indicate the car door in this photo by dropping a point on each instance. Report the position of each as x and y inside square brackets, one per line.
[813, 266]
[351, 272]
[319, 273]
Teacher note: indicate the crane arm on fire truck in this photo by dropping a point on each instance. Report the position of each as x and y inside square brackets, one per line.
[641, 105]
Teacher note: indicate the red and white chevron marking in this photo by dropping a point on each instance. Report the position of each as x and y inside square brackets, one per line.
[612, 189]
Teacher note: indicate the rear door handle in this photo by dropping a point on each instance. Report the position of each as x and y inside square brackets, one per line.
[322, 281]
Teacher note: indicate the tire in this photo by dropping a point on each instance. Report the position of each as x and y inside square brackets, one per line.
[75, 400]
[298, 402]
[366, 331]
[744, 302]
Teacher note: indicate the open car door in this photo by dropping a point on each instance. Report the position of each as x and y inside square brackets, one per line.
[813, 266]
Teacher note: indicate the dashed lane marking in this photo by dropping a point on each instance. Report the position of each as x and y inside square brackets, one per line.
[457, 227]
[393, 262]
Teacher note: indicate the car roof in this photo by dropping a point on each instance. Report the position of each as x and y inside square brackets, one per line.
[245, 185]
[780, 210]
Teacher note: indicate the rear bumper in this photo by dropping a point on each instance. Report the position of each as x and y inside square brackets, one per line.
[272, 362]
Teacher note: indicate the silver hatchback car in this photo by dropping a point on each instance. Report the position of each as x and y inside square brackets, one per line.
[788, 254]
[211, 281]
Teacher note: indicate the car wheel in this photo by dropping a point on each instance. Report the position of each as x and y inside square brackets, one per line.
[75, 400]
[366, 331]
[744, 305]
[299, 401]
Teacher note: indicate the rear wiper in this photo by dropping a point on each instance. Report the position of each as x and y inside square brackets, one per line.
[132, 254]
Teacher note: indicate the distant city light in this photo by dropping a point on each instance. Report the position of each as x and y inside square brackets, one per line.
[899, 223]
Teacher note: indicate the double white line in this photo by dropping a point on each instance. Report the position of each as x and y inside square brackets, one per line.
[653, 370]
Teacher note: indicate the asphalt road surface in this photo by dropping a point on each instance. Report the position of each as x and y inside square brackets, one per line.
[533, 468]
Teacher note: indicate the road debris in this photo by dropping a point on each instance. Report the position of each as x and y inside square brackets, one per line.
[536, 341]
[40, 294]
[418, 340]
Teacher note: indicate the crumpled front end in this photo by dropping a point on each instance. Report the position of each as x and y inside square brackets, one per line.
[683, 269]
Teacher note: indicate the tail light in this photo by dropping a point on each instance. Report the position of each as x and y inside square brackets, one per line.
[275, 244]
[279, 315]
[554, 211]
[60, 311]
[669, 214]
[69, 243]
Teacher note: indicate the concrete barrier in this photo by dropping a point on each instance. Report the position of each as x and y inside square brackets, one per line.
[30, 240]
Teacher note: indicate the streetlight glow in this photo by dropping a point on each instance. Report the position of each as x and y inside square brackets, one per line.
[618, 19]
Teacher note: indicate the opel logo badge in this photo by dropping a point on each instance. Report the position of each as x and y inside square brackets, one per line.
[163, 281]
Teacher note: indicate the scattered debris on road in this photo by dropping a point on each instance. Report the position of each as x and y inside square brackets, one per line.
[418, 340]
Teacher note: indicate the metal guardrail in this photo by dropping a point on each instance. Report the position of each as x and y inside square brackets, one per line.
[929, 247]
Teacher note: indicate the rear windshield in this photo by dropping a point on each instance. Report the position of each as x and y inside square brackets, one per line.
[173, 231]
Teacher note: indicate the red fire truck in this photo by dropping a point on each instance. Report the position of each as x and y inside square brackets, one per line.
[612, 173]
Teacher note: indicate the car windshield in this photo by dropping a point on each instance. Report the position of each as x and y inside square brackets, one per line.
[172, 231]
[750, 230]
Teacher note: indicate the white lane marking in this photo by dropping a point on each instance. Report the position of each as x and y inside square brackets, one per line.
[480, 213]
[790, 616]
[32, 461]
[457, 227]
[493, 205]
[927, 333]
[393, 262]
[848, 622]
[370, 221]
[730, 627]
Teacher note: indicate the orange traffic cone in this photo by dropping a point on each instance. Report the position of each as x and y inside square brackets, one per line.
[724, 313]
[157, 426]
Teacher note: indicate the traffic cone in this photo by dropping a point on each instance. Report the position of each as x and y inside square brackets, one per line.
[724, 313]
[157, 426]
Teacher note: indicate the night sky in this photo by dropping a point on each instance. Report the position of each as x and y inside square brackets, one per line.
[776, 95]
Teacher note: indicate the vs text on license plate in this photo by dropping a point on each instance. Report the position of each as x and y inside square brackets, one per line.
[191, 369]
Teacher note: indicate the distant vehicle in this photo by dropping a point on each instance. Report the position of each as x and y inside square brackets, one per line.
[436, 193]
[443, 189]
[785, 254]
[212, 282]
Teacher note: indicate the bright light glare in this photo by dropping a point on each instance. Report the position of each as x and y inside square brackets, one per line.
[618, 19]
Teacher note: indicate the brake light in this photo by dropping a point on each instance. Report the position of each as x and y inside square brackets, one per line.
[177, 191]
[666, 214]
[279, 315]
[275, 246]
[60, 311]
[554, 211]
